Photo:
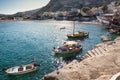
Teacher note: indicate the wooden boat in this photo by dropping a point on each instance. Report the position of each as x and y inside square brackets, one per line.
[21, 69]
[79, 34]
[68, 47]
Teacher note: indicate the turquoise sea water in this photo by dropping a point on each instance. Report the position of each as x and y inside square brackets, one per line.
[20, 42]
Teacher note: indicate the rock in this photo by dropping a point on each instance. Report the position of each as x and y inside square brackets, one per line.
[50, 78]
[93, 68]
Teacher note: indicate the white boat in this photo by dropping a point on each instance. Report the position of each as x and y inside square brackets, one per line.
[103, 20]
[21, 69]
[68, 47]
[105, 38]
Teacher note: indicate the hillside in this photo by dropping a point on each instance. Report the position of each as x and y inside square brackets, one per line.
[58, 5]
[26, 13]
[61, 5]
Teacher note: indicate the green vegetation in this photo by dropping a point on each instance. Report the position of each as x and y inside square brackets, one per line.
[85, 9]
[119, 3]
[118, 78]
[79, 14]
[105, 8]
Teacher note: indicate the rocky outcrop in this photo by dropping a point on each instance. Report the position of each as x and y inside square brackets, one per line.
[101, 66]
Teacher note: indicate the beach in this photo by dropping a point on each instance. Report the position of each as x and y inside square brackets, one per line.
[95, 67]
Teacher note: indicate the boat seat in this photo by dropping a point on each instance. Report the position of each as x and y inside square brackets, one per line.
[28, 67]
[20, 68]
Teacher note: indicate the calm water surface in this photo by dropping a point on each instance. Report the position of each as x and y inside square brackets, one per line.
[20, 42]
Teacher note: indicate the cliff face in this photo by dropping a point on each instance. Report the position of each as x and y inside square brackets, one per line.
[61, 5]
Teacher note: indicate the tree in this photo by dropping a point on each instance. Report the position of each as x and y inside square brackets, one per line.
[118, 3]
[105, 8]
[85, 9]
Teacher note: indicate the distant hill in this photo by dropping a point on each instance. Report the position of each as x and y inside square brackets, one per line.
[61, 5]
[2, 15]
[27, 13]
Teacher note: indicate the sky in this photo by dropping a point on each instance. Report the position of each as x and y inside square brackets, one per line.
[14, 6]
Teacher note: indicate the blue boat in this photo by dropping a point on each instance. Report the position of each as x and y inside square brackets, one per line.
[68, 47]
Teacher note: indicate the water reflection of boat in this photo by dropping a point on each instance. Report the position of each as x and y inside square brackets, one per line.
[22, 69]
[79, 34]
[69, 47]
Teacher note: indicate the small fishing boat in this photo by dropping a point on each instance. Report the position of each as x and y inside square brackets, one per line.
[62, 28]
[22, 69]
[113, 31]
[79, 34]
[105, 38]
[68, 47]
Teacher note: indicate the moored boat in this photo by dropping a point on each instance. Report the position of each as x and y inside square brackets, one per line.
[21, 69]
[62, 28]
[105, 38]
[79, 34]
[17, 70]
[68, 47]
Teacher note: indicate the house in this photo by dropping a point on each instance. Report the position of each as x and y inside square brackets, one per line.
[108, 16]
[97, 11]
[74, 9]
[18, 18]
[118, 8]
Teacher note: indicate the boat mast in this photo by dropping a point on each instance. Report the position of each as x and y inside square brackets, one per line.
[34, 60]
[73, 27]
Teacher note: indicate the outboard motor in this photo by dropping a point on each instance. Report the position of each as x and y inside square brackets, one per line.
[4, 69]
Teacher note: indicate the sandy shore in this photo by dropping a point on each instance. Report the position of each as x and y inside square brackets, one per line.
[100, 63]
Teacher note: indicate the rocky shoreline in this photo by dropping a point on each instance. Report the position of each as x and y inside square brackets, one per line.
[51, 20]
[100, 63]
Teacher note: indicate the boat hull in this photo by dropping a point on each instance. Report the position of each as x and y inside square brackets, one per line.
[68, 47]
[24, 72]
[17, 70]
[68, 52]
[77, 35]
